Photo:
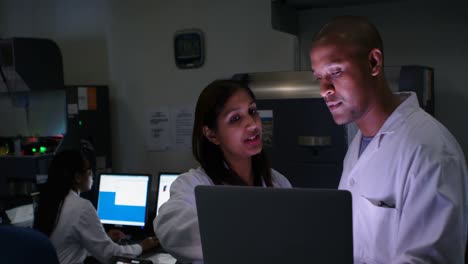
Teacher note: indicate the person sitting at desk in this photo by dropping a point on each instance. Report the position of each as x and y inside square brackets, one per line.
[227, 142]
[71, 222]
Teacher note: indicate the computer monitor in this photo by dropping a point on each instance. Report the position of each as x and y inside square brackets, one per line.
[165, 180]
[122, 199]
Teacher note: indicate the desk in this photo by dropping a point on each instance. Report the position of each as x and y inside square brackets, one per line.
[156, 258]
[161, 258]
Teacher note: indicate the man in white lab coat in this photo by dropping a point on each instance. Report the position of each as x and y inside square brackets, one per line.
[406, 172]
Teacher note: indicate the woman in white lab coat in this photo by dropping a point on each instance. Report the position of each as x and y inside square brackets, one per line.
[71, 222]
[227, 142]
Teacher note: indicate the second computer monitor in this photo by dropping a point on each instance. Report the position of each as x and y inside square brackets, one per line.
[164, 184]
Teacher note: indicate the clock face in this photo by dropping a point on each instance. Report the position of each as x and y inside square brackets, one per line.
[188, 49]
[188, 46]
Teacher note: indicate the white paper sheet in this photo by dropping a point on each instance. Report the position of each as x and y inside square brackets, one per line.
[158, 136]
[21, 215]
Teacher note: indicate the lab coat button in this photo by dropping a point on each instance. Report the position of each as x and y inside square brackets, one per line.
[351, 182]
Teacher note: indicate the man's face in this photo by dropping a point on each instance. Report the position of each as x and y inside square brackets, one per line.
[345, 79]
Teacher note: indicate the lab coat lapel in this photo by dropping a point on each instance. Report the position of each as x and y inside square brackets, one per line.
[358, 161]
[389, 126]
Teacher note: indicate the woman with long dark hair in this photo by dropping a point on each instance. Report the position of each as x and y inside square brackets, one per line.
[71, 222]
[227, 142]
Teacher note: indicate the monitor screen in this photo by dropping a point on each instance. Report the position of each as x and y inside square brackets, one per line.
[122, 199]
[164, 185]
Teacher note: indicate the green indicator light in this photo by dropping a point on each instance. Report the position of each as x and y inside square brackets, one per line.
[42, 149]
[80, 123]
[34, 150]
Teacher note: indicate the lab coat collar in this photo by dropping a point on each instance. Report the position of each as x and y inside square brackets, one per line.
[409, 104]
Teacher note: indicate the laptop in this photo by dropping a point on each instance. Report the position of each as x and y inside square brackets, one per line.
[165, 180]
[275, 226]
[123, 201]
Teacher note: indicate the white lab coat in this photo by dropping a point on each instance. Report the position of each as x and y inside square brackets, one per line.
[176, 225]
[79, 231]
[416, 166]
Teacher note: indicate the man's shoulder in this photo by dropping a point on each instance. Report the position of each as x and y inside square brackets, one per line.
[423, 133]
[422, 128]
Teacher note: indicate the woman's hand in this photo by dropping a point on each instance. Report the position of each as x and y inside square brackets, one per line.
[115, 234]
[149, 243]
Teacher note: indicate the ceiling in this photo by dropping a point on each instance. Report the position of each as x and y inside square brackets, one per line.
[307, 4]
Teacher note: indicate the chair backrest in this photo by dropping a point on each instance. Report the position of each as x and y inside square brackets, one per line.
[20, 245]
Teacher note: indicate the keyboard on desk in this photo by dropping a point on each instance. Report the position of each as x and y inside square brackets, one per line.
[127, 241]
[151, 252]
[132, 239]
[129, 260]
[162, 258]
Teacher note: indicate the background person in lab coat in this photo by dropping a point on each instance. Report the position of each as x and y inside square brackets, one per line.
[71, 222]
[406, 172]
[227, 142]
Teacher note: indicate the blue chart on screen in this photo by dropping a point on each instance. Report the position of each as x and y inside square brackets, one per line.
[122, 199]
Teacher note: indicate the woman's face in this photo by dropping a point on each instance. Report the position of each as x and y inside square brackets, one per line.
[239, 129]
[85, 178]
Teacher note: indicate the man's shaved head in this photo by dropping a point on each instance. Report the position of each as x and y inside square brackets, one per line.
[346, 58]
[350, 30]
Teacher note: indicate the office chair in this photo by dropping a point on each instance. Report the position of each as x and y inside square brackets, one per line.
[20, 245]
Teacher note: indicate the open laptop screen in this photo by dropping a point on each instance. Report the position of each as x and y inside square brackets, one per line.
[274, 225]
[122, 199]
[164, 185]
